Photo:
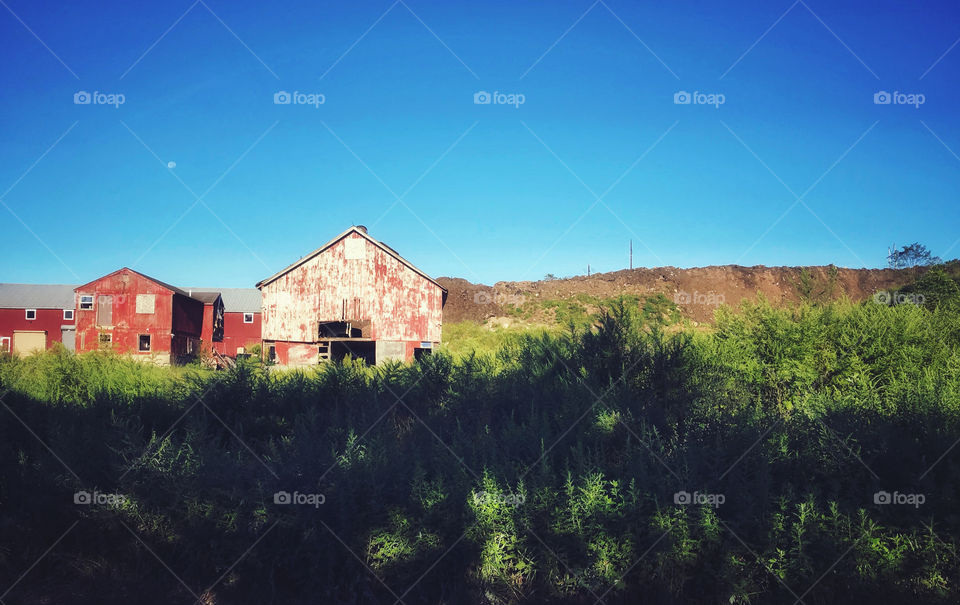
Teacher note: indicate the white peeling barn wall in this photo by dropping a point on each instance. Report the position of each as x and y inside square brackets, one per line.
[357, 279]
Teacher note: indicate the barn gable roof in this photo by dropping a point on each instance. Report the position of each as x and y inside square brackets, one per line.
[361, 232]
[36, 296]
[173, 289]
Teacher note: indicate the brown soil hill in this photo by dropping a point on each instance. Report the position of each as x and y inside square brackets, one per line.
[697, 291]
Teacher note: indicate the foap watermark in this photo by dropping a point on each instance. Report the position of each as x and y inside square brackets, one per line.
[82, 97]
[314, 500]
[682, 97]
[282, 97]
[482, 97]
[897, 298]
[685, 498]
[85, 498]
[491, 297]
[513, 500]
[882, 97]
[713, 299]
[884, 497]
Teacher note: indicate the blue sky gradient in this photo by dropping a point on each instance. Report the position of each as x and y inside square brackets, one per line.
[487, 192]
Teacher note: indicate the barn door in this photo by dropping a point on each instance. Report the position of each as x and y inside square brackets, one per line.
[68, 335]
[28, 341]
[105, 310]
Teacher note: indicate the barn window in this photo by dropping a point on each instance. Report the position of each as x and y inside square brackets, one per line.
[248, 318]
[68, 314]
[86, 302]
[144, 343]
[31, 314]
[272, 353]
[146, 303]
[5, 344]
[105, 310]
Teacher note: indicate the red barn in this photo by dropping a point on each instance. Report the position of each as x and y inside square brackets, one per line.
[240, 322]
[132, 313]
[33, 317]
[354, 295]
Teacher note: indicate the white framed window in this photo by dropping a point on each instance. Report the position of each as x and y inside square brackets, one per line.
[146, 303]
[86, 302]
[68, 314]
[240, 350]
[31, 314]
[143, 343]
[4, 344]
[248, 318]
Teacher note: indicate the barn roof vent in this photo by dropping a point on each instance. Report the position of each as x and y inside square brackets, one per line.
[361, 228]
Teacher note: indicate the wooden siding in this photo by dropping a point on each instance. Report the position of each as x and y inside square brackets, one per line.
[335, 285]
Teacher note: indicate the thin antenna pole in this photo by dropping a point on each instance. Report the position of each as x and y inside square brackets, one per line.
[631, 254]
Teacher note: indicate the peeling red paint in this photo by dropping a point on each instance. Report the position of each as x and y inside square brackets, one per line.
[174, 325]
[362, 283]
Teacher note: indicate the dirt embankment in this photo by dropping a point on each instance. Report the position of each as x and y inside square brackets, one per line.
[697, 291]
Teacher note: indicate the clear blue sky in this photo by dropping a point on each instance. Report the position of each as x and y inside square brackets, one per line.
[490, 191]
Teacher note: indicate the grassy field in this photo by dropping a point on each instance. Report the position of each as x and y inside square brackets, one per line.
[784, 454]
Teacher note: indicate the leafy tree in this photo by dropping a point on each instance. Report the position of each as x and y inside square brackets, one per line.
[914, 255]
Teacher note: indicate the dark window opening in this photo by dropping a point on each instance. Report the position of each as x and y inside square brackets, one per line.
[419, 354]
[31, 314]
[86, 302]
[365, 350]
[272, 353]
[248, 318]
[68, 314]
[343, 329]
[144, 343]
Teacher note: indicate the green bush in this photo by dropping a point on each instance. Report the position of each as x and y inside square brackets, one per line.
[606, 461]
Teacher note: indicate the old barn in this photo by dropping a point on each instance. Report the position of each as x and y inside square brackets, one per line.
[353, 295]
[132, 313]
[239, 322]
[35, 316]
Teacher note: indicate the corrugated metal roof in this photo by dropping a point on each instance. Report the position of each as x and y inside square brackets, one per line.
[36, 296]
[235, 300]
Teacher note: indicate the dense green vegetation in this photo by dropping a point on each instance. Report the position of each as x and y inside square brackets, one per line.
[607, 462]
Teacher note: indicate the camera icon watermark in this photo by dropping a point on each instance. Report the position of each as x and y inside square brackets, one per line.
[314, 500]
[682, 97]
[86, 498]
[886, 298]
[82, 97]
[884, 497]
[685, 498]
[282, 97]
[482, 97]
[513, 500]
[713, 299]
[882, 97]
